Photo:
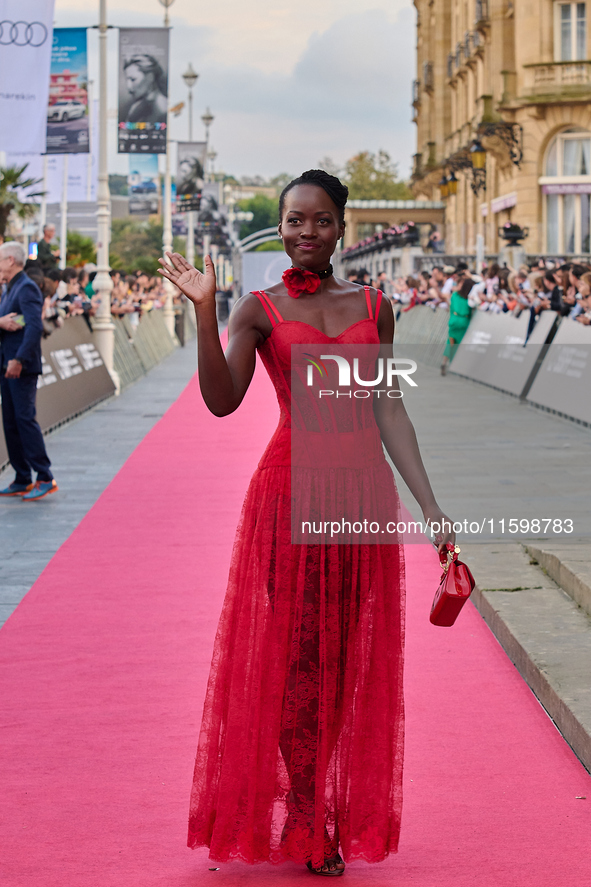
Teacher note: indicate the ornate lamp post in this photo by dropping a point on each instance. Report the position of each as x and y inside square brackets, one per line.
[168, 311]
[207, 119]
[103, 324]
[190, 77]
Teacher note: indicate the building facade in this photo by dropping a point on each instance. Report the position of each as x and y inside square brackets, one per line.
[511, 77]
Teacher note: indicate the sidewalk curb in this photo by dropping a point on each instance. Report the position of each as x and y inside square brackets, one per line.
[561, 571]
[565, 719]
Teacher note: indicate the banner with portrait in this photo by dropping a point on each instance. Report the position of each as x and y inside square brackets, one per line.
[143, 90]
[142, 184]
[67, 114]
[25, 55]
[190, 175]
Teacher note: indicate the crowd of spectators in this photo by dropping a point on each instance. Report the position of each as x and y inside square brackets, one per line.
[71, 292]
[564, 288]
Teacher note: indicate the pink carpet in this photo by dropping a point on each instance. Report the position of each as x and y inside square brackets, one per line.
[103, 670]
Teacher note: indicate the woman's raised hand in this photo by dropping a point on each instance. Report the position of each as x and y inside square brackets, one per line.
[198, 288]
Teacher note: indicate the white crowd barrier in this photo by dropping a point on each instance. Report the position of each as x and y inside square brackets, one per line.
[494, 350]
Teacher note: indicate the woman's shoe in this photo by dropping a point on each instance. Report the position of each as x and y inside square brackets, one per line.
[337, 864]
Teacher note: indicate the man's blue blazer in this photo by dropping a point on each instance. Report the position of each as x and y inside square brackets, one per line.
[24, 297]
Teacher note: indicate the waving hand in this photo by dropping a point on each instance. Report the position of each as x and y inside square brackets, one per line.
[198, 288]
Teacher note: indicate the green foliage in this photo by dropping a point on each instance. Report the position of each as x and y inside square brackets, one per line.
[279, 182]
[137, 246]
[265, 211]
[118, 185]
[79, 249]
[13, 180]
[374, 177]
[274, 246]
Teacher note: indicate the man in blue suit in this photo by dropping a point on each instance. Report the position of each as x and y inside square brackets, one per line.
[20, 364]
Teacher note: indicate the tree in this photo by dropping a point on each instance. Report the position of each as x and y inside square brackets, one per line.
[265, 213]
[274, 246]
[79, 249]
[329, 166]
[374, 177]
[137, 246]
[118, 185]
[279, 182]
[12, 185]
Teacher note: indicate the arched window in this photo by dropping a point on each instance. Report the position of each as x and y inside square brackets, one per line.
[566, 186]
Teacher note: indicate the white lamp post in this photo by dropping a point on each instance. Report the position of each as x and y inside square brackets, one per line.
[207, 119]
[190, 78]
[168, 311]
[103, 285]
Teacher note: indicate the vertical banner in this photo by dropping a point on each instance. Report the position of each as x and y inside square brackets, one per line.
[67, 114]
[190, 175]
[142, 184]
[143, 90]
[26, 29]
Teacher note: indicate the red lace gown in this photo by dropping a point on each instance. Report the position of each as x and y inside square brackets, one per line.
[301, 743]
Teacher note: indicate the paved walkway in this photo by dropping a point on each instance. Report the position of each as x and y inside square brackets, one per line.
[86, 455]
[490, 457]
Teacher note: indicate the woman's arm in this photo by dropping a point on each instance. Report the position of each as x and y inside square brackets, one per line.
[400, 440]
[223, 378]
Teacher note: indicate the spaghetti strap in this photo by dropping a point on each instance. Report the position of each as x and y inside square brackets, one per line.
[273, 314]
[368, 300]
[378, 305]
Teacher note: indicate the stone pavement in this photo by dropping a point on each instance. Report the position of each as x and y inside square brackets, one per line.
[86, 454]
[490, 457]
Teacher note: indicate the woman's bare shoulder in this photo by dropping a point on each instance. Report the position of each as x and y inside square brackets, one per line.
[248, 313]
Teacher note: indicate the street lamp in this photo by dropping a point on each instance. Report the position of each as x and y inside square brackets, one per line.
[166, 4]
[207, 119]
[168, 310]
[443, 186]
[452, 184]
[190, 77]
[104, 329]
[211, 155]
[477, 155]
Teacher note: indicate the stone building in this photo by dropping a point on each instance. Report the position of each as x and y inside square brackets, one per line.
[514, 75]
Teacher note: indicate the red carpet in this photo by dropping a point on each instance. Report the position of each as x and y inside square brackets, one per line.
[103, 670]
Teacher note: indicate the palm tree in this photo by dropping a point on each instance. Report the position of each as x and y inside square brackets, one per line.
[12, 196]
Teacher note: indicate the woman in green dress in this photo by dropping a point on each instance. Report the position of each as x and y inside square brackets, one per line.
[459, 319]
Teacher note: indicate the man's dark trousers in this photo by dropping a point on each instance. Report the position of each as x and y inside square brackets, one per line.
[24, 439]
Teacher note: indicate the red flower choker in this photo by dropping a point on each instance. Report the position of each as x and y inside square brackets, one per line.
[298, 280]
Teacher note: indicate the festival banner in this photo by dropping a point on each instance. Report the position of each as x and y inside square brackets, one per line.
[142, 184]
[190, 175]
[26, 31]
[67, 114]
[143, 90]
[82, 171]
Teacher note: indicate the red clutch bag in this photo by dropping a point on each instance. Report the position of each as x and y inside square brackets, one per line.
[454, 589]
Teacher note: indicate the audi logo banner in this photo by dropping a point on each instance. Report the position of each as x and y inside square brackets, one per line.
[26, 35]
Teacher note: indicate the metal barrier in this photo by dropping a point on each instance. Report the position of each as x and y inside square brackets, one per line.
[424, 328]
[141, 347]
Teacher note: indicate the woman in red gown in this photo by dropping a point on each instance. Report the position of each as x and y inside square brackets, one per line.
[301, 745]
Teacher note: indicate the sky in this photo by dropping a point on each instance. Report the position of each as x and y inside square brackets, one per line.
[288, 83]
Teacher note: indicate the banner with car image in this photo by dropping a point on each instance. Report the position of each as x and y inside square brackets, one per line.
[67, 114]
[142, 184]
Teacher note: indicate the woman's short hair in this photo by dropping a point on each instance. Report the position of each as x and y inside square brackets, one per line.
[148, 65]
[335, 189]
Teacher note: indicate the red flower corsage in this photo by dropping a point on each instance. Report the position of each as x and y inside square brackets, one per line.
[298, 281]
